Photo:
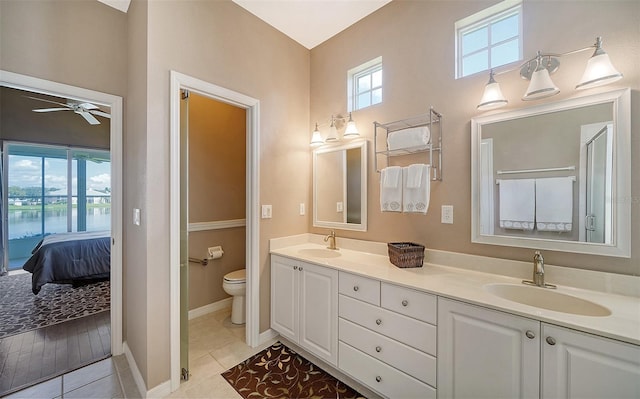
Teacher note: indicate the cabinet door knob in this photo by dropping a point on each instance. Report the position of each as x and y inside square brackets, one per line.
[300, 268]
[405, 302]
[295, 268]
[551, 340]
[530, 334]
[356, 288]
[378, 321]
[378, 378]
[378, 349]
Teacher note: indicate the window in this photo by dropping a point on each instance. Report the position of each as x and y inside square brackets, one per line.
[489, 39]
[365, 85]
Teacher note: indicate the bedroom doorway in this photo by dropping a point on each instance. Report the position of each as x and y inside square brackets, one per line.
[111, 320]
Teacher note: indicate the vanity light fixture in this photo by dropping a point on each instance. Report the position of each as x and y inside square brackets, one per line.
[336, 122]
[599, 71]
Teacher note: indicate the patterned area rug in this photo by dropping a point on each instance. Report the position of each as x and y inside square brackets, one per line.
[279, 372]
[56, 303]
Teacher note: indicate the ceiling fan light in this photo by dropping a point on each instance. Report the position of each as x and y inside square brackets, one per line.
[492, 97]
[541, 85]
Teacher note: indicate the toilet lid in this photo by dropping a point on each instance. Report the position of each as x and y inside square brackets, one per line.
[237, 276]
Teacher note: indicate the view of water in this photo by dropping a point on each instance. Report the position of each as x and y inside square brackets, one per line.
[27, 223]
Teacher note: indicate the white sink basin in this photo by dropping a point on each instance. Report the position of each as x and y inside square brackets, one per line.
[319, 252]
[547, 299]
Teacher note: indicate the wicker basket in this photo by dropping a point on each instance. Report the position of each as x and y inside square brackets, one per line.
[406, 254]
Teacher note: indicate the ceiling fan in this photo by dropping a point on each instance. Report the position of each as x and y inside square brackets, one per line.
[86, 110]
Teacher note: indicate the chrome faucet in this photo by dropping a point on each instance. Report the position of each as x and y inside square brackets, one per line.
[538, 272]
[331, 238]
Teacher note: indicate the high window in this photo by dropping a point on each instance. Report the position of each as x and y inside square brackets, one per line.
[489, 38]
[364, 85]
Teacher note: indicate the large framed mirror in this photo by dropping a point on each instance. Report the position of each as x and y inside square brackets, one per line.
[340, 186]
[556, 176]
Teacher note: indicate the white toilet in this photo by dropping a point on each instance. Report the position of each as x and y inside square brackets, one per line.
[235, 284]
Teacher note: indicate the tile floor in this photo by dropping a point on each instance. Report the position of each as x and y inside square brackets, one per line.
[215, 345]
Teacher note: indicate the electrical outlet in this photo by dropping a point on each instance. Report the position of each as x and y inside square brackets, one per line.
[339, 206]
[136, 216]
[266, 211]
[447, 214]
[302, 210]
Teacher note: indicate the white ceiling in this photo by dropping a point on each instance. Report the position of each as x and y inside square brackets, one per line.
[308, 22]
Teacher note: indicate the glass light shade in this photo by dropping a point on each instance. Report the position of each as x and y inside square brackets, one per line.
[333, 132]
[599, 71]
[541, 85]
[316, 137]
[492, 97]
[351, 130]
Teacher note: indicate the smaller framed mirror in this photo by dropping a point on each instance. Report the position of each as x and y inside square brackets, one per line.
[340, 186]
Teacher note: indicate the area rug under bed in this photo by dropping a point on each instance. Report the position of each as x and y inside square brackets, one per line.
[279, 372]
[56, 303]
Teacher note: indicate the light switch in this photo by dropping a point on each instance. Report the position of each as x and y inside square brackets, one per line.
[447, 214]
[302, 210]
[266, 211]
[339, 207]
[136, 216]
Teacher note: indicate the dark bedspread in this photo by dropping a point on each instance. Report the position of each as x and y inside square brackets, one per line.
[70, 257]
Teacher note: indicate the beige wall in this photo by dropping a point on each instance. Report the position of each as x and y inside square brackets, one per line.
[416, 42]
[217, 143]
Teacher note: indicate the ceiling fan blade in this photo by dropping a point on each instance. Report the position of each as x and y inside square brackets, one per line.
[100, 113]
[90, 118]
[51, 109]
[49, 101]
[88, 106]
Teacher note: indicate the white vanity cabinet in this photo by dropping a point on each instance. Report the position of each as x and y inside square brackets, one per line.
[483, 353]
[304, 305]
[578, 365]
[387, 337]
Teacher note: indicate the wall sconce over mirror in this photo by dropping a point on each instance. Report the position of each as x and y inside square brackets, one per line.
[336, 123]
[538, 70]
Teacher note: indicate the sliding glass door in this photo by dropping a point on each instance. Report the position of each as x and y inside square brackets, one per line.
[52, 189]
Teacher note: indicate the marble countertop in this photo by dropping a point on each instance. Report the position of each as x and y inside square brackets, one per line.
[468, 285]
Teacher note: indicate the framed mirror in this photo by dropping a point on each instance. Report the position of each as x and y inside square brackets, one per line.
[340, 186]
[556, 176]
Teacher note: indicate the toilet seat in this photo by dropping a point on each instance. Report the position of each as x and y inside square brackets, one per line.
[236, 277]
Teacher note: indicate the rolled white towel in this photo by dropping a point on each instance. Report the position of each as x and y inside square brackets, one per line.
[415, 137]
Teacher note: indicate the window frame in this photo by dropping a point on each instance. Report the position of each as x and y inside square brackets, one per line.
[354, 74]
[487, 17]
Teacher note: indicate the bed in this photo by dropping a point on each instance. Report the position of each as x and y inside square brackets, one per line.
[70, 258]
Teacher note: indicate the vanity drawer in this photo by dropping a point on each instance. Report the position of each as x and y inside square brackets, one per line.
[412, 332]
[381, 377]
[412, 303]
[411, 361]
[362, 288]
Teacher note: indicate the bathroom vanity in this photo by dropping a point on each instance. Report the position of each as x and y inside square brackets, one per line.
[447, 332]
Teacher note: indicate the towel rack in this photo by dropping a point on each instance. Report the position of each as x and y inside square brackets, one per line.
[203, 262]
[433, 120]
[508, 172]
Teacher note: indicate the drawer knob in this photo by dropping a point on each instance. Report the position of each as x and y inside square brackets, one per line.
[356, 288]
[295, 268]
[551, 341]
[530, 334]
[405, 302]
[378, 349]
[300, 268]
[378, 321]
[378, 378]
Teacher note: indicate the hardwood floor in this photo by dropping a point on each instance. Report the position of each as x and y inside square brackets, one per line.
[41, 354]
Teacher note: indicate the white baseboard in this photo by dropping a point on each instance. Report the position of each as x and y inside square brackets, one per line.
[267, 335]
[159, 391]
[210, 308]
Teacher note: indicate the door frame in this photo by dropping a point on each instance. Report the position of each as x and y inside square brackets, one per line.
[252, 106]
[37, 85]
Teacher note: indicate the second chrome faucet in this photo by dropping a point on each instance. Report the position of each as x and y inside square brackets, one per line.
[538, 272]
[331, 238]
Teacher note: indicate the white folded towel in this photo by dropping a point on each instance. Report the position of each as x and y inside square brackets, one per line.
[517, 204]
[417, 188]
[391, 189]
[554, 204]
[415, 137]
